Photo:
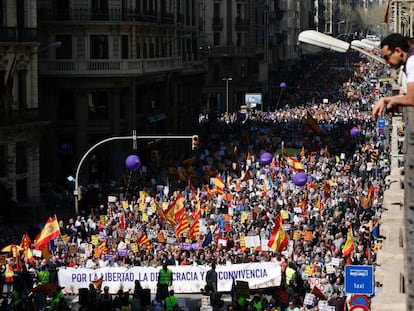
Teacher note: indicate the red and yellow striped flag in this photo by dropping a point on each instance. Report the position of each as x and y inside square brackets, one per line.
[143, 240]
[195, 227]
[182, 226]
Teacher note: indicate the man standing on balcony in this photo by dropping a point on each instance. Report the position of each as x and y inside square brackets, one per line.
[397, 52]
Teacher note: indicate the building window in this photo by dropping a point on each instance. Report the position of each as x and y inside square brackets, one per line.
[64, 51]
[66, 105]
[216, 10]
[239, 39]
[151, 50]
[138, 48]
[99, 47]
[144, 50]
[3, 160]
[98, 106]
[216, 39]
[124, 47]
[100, 9]
[22, 77]
[21, 158]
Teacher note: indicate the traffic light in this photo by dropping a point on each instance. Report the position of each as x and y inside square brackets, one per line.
[194, 142]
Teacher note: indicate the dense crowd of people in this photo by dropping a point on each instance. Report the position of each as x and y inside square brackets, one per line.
[342, 196]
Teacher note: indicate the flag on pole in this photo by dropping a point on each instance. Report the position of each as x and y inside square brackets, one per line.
[98, 282]
[101, 249]
[195, 227]
[278, 239]
[208, 239]
[143, 240]
[182, 226]
[25, 245]
[50, 231]
[122, 223]
[179, 208]
[349, 243]
[387, 12]
[219, 184]
[295, 164]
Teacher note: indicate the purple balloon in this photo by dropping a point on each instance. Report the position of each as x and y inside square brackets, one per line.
[133, 162]
[354, 132]
[266, 158]
[283, 85]
[300, 179]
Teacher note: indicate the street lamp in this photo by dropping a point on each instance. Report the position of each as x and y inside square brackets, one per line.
[227, 92]
[324, 41]
[134, 139]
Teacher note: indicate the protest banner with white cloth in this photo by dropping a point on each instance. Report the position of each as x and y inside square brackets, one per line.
[186, 279]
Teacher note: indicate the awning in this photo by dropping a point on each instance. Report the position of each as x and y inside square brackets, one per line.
[157, 117]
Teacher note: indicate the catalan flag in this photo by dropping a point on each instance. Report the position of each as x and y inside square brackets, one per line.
[195, 227]
[182, 226]
[101, 249]
[143, 241]
[278, 239]
[50, 231]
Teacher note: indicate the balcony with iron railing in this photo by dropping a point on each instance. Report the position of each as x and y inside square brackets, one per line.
[111, 15]
[108, 67]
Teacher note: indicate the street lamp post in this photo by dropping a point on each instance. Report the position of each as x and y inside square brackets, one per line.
[324, 41]
[227, 92]
[134, 139]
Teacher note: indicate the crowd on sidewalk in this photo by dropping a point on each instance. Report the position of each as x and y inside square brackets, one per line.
[227, 184]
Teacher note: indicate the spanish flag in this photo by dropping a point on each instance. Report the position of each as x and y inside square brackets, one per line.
[98, 282]
[295, 164]
[349, 244]
[25, 245]
[278, 240]
[50, 231]
[179, 209]
[219, 184]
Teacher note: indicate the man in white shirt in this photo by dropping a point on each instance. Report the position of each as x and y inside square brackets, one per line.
[397, 52]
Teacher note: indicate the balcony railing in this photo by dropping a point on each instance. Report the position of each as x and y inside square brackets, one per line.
[106, 67]
[112, 15]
